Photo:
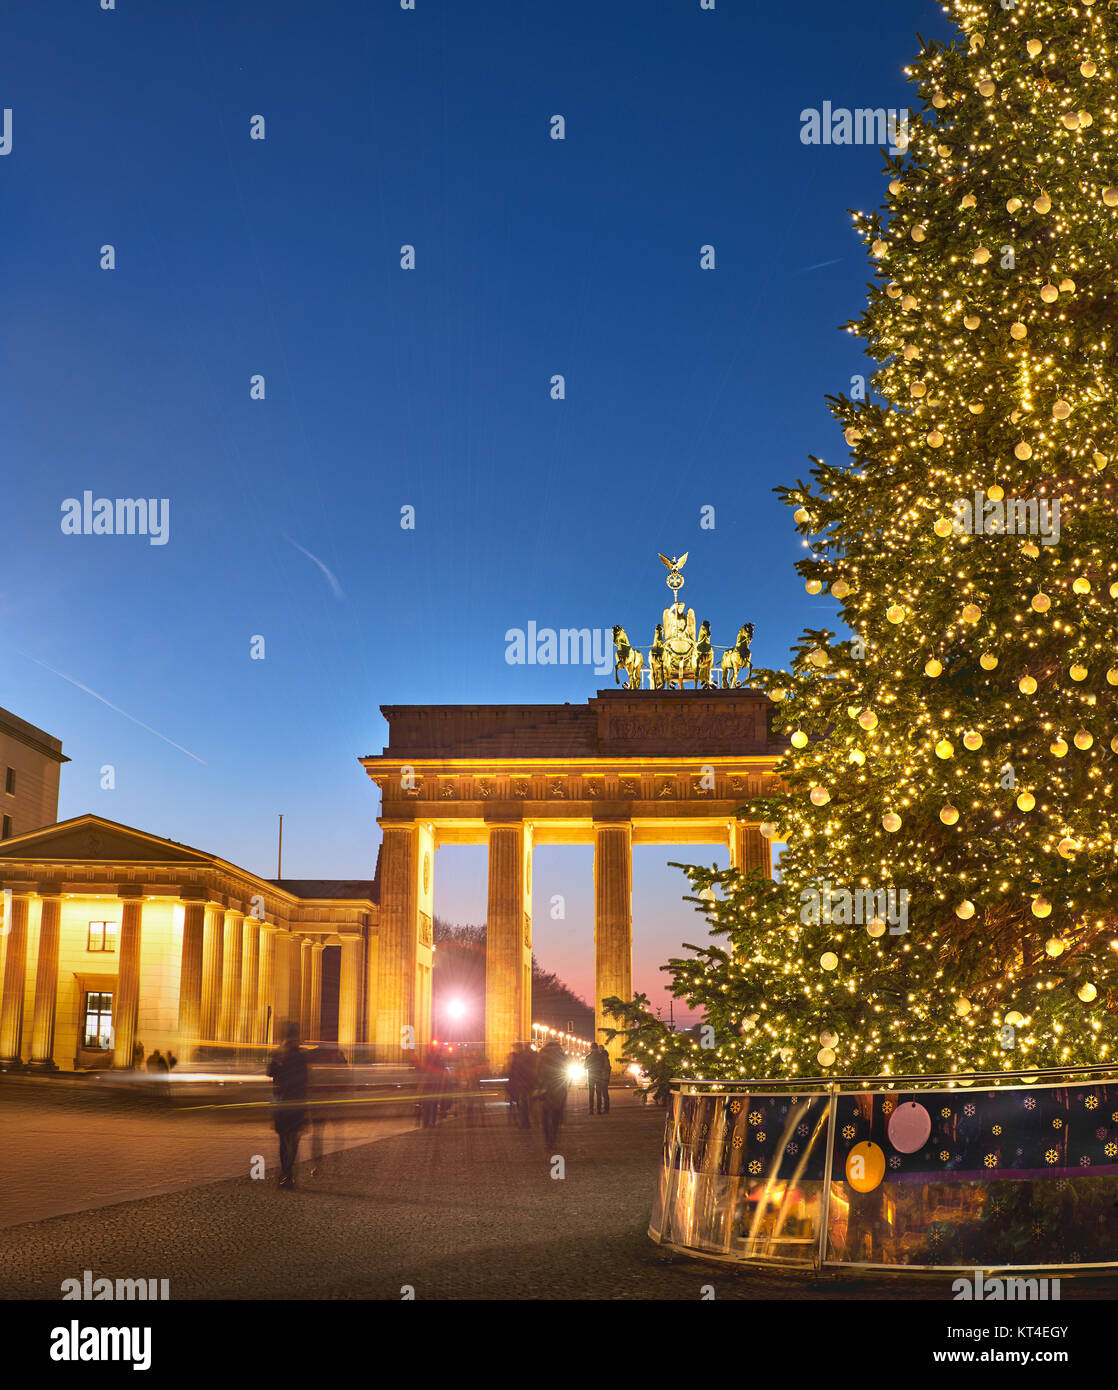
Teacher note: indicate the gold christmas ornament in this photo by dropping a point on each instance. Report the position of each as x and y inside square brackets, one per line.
[1086, 119]
[968, 201]
[1026, 801]
[1018, 330]
[995, 492]
[1034, 47]
[918, 233]
[965, 910]
[934, 439]
[1088, 69]
[986, 87]
[1114, 744]
[1067, 286]
[895, 613]
[840, 588]
[1083, 740]
[971, 321]
[1049, 293]
[918, 388]
[1027, 685]
[1078, 673]
[895, 187]
[825, 1057]
[799, 739]
[801, 516]
[942, 527]
[1081, 586]
[1071, 120]
[1031, 550]
[981, 255]
[939, 101]
[819, 796]
[1042, 907]
[1043, 204]
[949, 815]
[1014, 1018]
[813, 586]
[972, 742]
[1110, 197]
[908, 303]
[1012, 206]
[987, 661]
[933, 668]
[962, 1007]
[777, 693]
[828, 960]
[1061, 410]
[853, 436]
[875, 927]
[1112, 676]
[879, 247]
[891, 821]
[1088, 993]
[1054, 946]
[1067, 847]
[1023, 450]
[767, 829]
[827, 1039]
[1058, 748]
[1041, 603]
[944, 749]
[857, 757]
[1114, 590]
[868, 719]
[971, 613]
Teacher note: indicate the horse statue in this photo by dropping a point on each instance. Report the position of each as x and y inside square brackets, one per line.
[737, 659]
[656, 658]
[628, 659]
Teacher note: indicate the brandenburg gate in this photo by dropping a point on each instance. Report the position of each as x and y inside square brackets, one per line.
[631, 766]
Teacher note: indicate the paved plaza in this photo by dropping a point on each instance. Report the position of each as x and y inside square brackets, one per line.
[452, 1212]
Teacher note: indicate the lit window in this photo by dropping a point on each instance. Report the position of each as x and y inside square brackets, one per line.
[102, 936]
[98, 1020]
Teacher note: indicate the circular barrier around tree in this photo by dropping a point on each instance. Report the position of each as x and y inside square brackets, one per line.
[995, 1170]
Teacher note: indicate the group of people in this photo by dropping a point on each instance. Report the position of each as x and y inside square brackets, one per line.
[156, 1062]
[536, 1080]
[543, 1078]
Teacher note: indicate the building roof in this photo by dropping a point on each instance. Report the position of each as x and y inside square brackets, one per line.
[33, 737]
[329, 887]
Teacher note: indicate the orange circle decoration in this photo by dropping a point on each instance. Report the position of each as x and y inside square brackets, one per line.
[865, 1166]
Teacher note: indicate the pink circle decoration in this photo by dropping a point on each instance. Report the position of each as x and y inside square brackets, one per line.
[909, 1127]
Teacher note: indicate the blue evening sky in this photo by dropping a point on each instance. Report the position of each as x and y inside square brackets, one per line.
[388, 388]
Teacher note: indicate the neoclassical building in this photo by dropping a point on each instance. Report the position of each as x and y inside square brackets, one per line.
[111, 935]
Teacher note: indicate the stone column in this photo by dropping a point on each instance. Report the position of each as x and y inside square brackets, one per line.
[46, 980]
[15, 969]
[127, 1002]
[372, 947]
[347, 994]
[507, 937]
[315, 1034]
[231, 977]
[397, 954]
[265, 994]
[613, 923]
[749, 849]
[213, 957]
[306, 987]
[250, 980]
[190, 972]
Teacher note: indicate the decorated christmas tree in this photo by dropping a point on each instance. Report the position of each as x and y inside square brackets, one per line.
[948, 894]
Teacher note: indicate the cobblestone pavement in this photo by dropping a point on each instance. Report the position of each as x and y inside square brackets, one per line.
[453, 1212]
[66, 1147]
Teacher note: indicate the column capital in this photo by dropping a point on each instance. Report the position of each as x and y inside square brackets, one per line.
[193, 894]
[130, 890]
[49, 890]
